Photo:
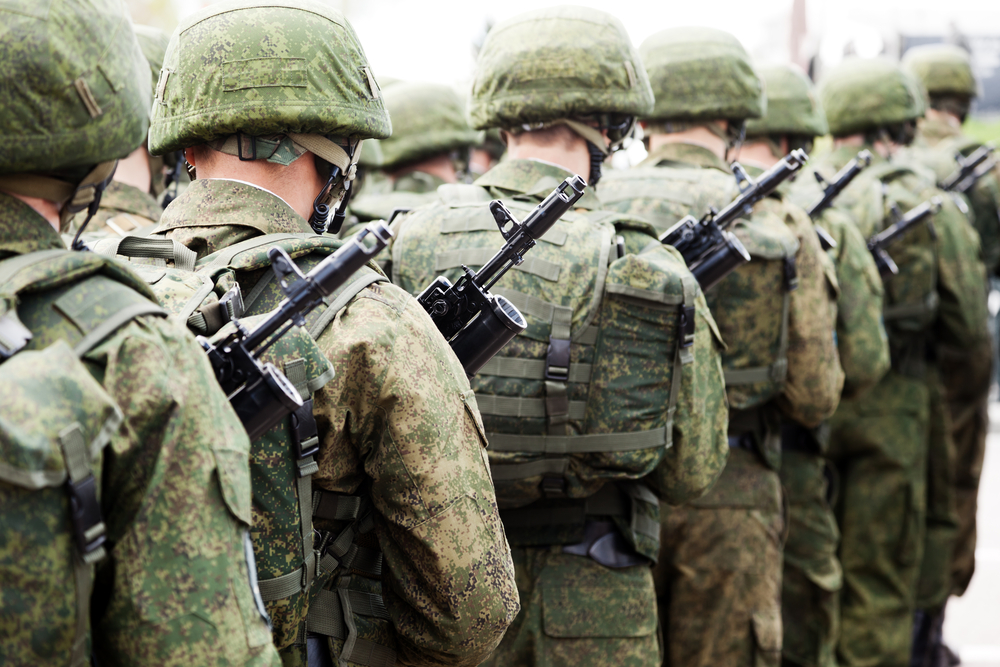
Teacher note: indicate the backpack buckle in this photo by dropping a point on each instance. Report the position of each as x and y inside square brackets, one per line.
[557, 360]
[687, 326]
[85, 515]
[305, 433]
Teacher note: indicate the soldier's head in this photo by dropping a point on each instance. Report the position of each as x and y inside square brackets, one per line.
[704, 81]
[76, 98]
[793, 119]
[872, 101]
[279, 95]
[560, 81]
[946, 73]
[429, 131]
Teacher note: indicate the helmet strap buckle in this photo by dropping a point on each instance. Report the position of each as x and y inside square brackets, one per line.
[239, 147]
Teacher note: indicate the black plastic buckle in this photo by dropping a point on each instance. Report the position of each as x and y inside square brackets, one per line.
[305, 433]
[687, 326]
[239, 147]
[85, 514]
[553, 487]
[557, 360]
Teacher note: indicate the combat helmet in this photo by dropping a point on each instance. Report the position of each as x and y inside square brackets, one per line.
[561, 65]
[427, 119]
[792, 105]
[863, 95]
[76, 98]
[946, 73]
[270, 82]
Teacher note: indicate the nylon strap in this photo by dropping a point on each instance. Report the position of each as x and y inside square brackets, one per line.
[35, 185]
[646, 295]
[335, 506]
[341, 301]
[531, 369]
[331, 614]
[84, 575]
[487, 224]
[908, 310]
[512, 471]
[776, 372]
[577, 444]
[535, 266]
[514, 406]
[258, 289]
[148, 246]
[114, 322]
[287, 585]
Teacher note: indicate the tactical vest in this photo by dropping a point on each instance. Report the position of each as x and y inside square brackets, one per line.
[201, 294]
[55, 420]
[585, 395]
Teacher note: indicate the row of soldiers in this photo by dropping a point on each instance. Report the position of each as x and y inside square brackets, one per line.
[776, 464]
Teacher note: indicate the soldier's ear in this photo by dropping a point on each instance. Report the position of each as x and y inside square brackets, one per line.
[190, 154]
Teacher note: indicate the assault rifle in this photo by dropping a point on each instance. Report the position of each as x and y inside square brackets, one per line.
[832, 189]
[879, 242]
[970, 169]
[260, 393]
[711, 252]
[476, 323]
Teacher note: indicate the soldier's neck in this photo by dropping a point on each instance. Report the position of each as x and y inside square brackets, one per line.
[134, 170]
[43, 207]
[938, 116]
[699, 136]
[440, 166]
[572, 154]
[758, 153]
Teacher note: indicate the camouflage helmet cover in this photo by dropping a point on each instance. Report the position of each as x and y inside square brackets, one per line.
[263, 69]
[701, 74]
[792, 104]
[427, 119]
[557, 63]
[944, 69]
[75, 85]
[864, 94]
[153, 43]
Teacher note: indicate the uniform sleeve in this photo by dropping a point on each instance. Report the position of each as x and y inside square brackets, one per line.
[176, 590]
[815, 379]
[861, 338]
[448, 578]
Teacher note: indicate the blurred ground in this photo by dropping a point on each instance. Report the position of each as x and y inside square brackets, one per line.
[972, 624]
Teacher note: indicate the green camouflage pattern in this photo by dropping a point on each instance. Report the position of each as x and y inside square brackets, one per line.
[90, 52]
[701, 74]
[124, 209]
[399, 424]
[943, 69]
[718, 581]
[578, 612]
[427, 119]
[176, 479]
[792, 104]
[811, 577]
[554, 63]
[866, 93]
[153, 43]
[264, 69]
[411, 191]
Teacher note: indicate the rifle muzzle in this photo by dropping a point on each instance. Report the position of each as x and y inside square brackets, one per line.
[487, 334]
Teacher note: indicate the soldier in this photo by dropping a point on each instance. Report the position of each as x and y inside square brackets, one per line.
[947, 75]
[617, 375]
[129, 202]
[409, 561]
[812, 578]
[429, 146]
[114, 430]
[881, 440]
[719, 574]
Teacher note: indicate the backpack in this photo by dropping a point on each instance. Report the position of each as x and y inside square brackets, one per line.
[55, 420]
[205, 295]
[584, 396]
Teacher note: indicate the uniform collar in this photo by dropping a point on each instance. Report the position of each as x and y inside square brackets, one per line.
[23, 230]
[687, 155]
[534, 178]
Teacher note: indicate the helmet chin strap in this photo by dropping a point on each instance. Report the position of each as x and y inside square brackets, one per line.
[596, 163]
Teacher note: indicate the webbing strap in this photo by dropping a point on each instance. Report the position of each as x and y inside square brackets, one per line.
[331, 614]
[531, 369]
[342, 299]
[258, 289]
[514, 406]
[113, 323]
[776, 372]
[223, 258]
[577, 444]
[150, 247]
[535, 266]
[335, 506]
[511, 471]
[287, 585]
[487, 224]
[645, 295]
[84, 575]
[908, 310]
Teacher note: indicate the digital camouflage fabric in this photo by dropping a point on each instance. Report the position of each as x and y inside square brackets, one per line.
[623, 363]
[943, 69]
[401, 442]
[701, 74]
[880, 440]
[175, 488]
[123, 210]
[377, 201]
[228, 70]
[88, 104]
[153, 44]
[556, 63]
[792, 105]
[865, 93]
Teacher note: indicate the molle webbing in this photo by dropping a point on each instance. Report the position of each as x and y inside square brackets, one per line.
[536, 266]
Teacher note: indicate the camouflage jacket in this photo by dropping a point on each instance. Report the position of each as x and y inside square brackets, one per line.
[698, 453]
[748, 305]
[175, 492]
[123, 210]
[406, 192]
[940, 290]
[399, 425]
[936, 145]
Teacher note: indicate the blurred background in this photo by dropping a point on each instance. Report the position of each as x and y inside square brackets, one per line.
[437, 41]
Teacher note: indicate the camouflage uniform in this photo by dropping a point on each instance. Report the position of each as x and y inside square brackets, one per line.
[581, 528]
[719, 575]
[880, 441]
[171, 462]
[946, 74]
[410, 565]
[812, 576]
